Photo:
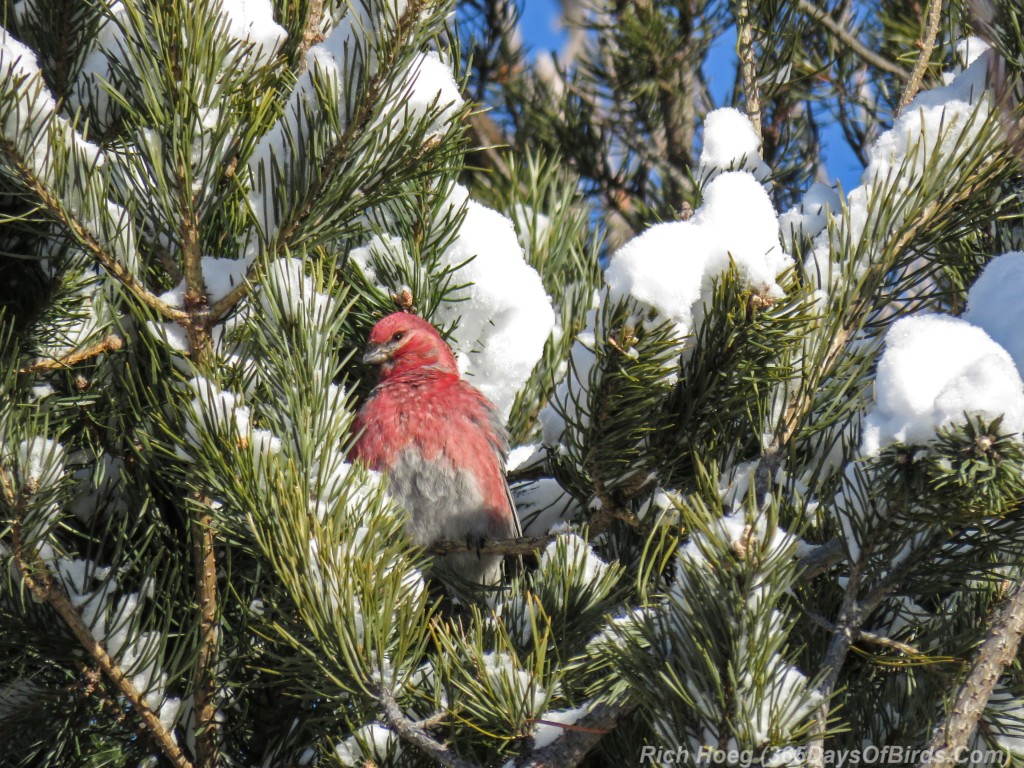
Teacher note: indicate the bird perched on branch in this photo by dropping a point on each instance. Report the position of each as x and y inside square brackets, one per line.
[441, 444]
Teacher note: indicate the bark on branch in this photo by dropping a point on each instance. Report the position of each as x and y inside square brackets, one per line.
[998, 650]
[39, 581]
[109, 343]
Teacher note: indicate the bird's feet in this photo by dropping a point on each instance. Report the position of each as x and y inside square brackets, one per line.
[475, 543]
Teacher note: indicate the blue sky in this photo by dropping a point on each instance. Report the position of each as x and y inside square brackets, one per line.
[540, 27]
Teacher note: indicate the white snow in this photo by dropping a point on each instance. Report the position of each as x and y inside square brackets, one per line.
[578, 557]
[532, 225]
[431, 90]
[40, 462]
[380, 249]
[994, 303]
[937, 123]
[215, 411]
[545, 733]
[253, 22]
[504, 316]
[778, 707]
[542, 504]
[172, 335]
[935, 369]
[220, 276]
[730, 144]
[570, 396]
[35, 105]
[501, 674]
[109, 46]
[286, 288]
[970, 48]
[671, 266]
[380, 744]
[809, 217]
[1004, 719]
[525, 456]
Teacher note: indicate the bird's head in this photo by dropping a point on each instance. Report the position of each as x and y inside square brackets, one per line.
[404, 342]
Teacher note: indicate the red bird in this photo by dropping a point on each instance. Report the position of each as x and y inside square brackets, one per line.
[439, 441]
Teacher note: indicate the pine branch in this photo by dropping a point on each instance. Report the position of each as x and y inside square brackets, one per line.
[196, 299]
[927, 44]
[50, 203]
[44, 588]
[204, 556]
[359, 123]
[858, 309]
[566, 751]
[997, 651]
[850, 40]
[109, 343]
[854, 610]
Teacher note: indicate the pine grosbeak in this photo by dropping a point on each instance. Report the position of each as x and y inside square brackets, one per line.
[441, 444]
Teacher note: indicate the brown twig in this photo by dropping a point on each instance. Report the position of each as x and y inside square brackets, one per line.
[525, 545]
[44, 588]
[927, 44]
[109, 343]
[850, 40]
[995, 653]
[610, 511]
[204, 676]
[204, 562]
[866, 636]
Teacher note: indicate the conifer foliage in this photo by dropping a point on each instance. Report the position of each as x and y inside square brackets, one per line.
[768, 431]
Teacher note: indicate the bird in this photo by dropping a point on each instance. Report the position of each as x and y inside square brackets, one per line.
[440, 443]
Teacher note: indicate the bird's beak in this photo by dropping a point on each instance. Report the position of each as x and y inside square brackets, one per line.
[376, 354]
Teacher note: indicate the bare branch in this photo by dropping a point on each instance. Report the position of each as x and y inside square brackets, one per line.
[109, 343]
[571, 747]
[927, 44]
[995, 653]
[850, 40]
[526, 545]
[203, 676]
[416, 735]
[311, 34]
[748, 67]
[863, 635]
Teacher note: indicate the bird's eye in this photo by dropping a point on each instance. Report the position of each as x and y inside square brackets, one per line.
[398, 336]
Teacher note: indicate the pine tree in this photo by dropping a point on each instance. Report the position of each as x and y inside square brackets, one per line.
[768, 431]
